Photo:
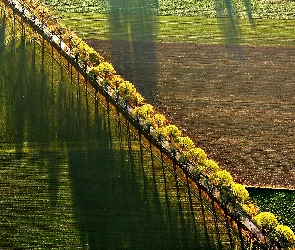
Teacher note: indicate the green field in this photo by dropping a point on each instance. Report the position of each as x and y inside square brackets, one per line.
[275, 9]
[270, 23]
[279, 202]
[189, 29]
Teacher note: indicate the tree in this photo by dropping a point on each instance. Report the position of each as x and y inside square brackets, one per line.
[105, 70]
[94, 57]
[139, 99]
[239, 193]
[266, 221]
[250, 209]
[171, 132]
[116, 81]
[127, 91]
[222, 178]
[93, 72]
[285, 236]
[75, 41]
[42, 11]
[185, 143]
[159, 120]
[210, 167]
[196, 155]
[160, 133]
[145, 112]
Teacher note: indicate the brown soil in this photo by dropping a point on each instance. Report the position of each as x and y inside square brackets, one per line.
[237, 103]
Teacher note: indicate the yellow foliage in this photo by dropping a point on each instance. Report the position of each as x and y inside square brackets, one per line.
[170, 132]
[196, 155]
[266, 221]
[250, 209]
[116, 81]
[239, 192]
[139, 99]
[94, 57]
[159, 120]
[145, 111]
[222, 178]
[106, 69]
[127, 91]
[185, 142]
[210, 167]
[285, 236]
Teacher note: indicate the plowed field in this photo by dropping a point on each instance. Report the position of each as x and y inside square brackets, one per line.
[237, 103]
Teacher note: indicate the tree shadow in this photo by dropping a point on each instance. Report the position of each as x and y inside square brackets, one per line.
[133, 28]
[228, 21]
[29, 106]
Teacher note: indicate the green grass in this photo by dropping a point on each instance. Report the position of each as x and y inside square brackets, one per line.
[277, 9]
[279, 202]
[36, 205]
[190, 29]
[190, 20]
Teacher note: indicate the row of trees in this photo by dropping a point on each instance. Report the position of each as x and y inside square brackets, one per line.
[181, 147]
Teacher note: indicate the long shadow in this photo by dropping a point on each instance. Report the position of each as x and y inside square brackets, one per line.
[196, 230]
[228, 21]
[114, 194]
[133, 27]
[111, 209]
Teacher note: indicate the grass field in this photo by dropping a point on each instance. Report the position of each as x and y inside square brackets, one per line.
[189, 29]
[276, 9]
[190, 20]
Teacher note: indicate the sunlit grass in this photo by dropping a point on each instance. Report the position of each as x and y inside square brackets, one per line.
[190, 29]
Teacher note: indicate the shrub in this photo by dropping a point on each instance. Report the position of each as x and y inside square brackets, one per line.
[145, 111]
[75, 41]
[210, 167]
[185, 143]
[116, 81]
[42, 11]
[196, 155]
[105, 70]
[239, 193]
[139, 99]
[285, 236]
[81, 47]
[159, 120]
[93, 72]
[266, 221]
[160, 133]
[171, 132]
[222, 178]
[94, 57]
[127, 91]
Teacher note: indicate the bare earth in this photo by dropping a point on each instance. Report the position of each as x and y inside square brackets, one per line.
[238, 104]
